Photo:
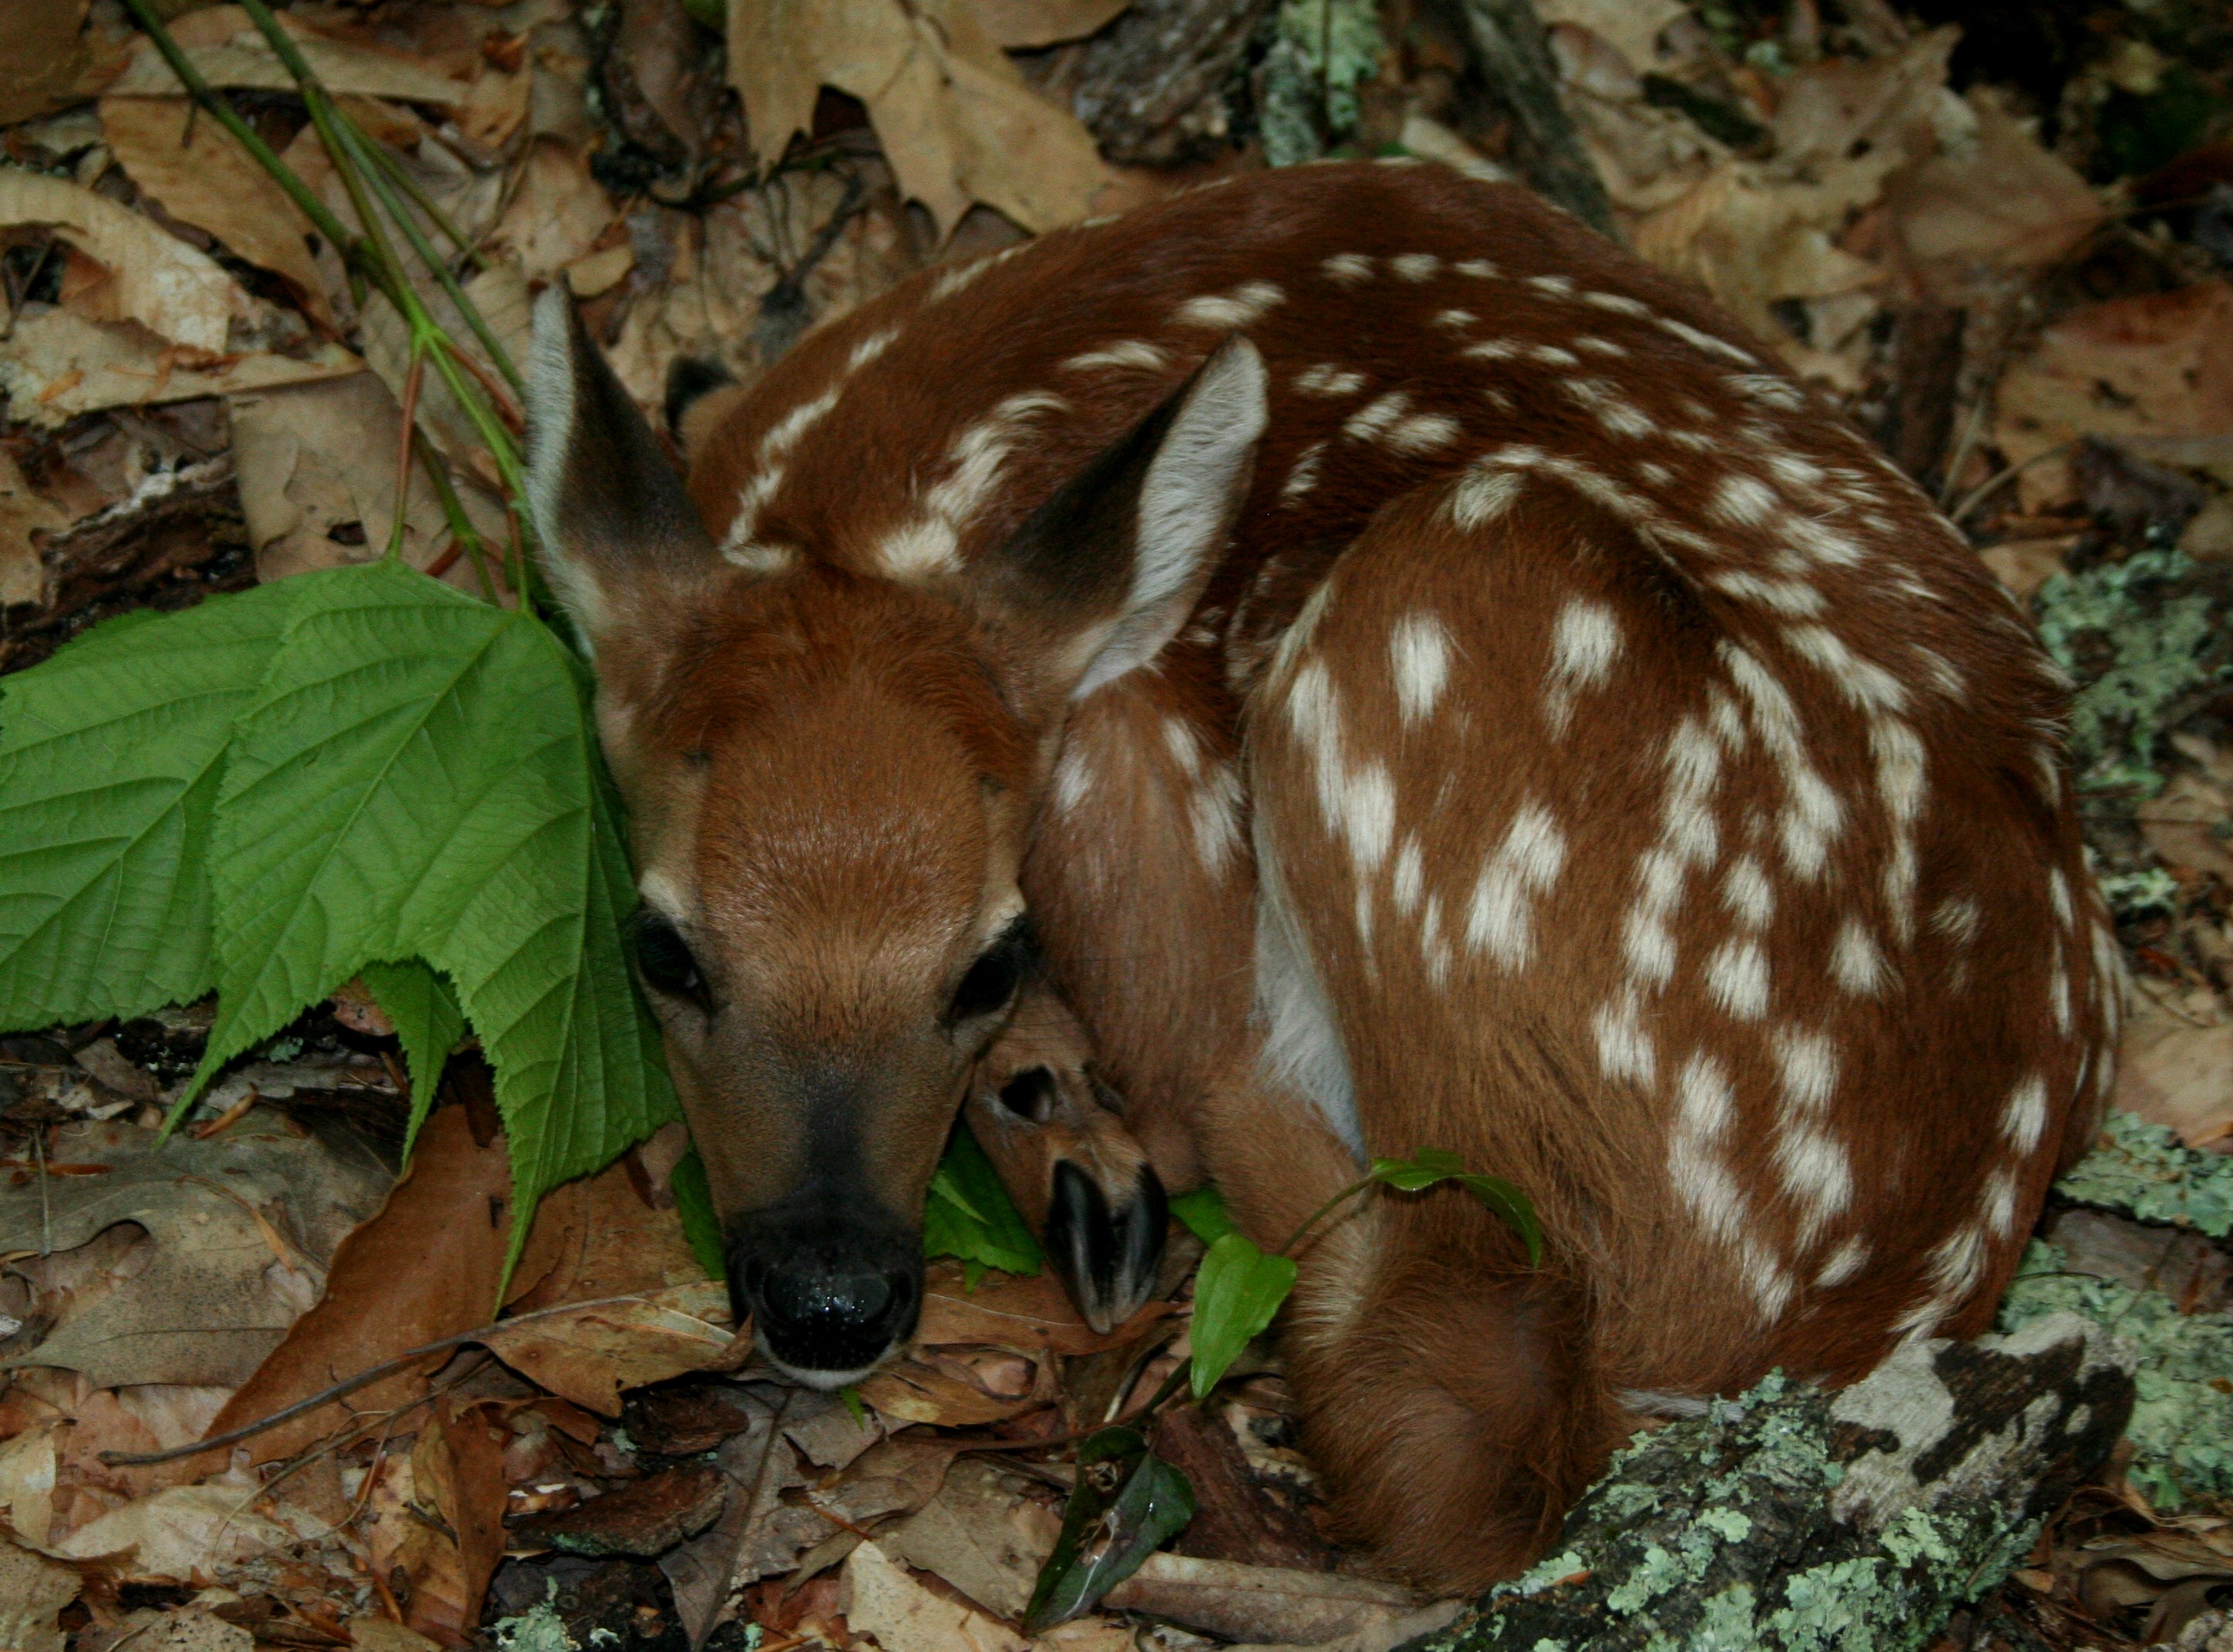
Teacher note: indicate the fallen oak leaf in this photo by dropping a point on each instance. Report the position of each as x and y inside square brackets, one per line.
[156, 279]
[227, 50]
[588, 1352]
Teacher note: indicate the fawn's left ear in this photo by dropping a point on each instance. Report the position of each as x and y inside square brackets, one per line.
[1107, 570]
[610, 510]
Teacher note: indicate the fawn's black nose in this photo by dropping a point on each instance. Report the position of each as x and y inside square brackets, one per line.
[826, 1323]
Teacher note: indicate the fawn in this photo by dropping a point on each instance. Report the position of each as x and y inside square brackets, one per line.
[1332, 663]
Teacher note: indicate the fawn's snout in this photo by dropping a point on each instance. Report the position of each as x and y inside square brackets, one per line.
[832, 1284]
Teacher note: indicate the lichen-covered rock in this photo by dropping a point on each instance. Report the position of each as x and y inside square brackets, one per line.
[1800, 1519]
[2182, 1424]
[2146, 1170]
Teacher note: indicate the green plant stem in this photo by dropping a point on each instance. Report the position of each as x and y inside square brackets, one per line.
[321, 217]
[1322, 1212]
[453, 511]
[391, 164]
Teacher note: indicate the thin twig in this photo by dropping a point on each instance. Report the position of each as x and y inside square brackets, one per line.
[351, 1384]
[1993, 484]
[46, 1208]
[405, 431]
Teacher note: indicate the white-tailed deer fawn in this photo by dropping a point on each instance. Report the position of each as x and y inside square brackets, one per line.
[1370, 666]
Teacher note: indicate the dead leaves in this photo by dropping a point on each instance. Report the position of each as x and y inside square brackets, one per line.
[2157, 365]
[227, 50]
[142, 273]
[954, 115]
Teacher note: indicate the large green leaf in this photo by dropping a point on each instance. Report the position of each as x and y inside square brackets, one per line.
[110, 755]
[1126, 1503]
[416, 778]
[428, 1024]
[969, 1215]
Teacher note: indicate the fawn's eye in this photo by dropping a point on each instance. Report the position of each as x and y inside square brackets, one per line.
[991, 980]
[664, 957]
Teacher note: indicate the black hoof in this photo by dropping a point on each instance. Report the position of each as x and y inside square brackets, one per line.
[1108, 1260]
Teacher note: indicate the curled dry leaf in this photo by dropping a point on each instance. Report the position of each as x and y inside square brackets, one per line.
[59, 365]
[954, 115]
[239, 1229]
[153, 278]
[201, 176]
[591, 1355]
[226, 47]
[457, 1476]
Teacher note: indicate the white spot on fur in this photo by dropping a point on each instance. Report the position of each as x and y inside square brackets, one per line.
[1455, 321]
[1585, 640]
[1125, 353]
[1347, 269]
[1624, 1049]
[1843, 1264]
[1327, 379]
[1305, 476]
[1855, 962]
[1500, 921]
[2023, 1120]
[1415, 266]
[1738, 977]
[1243, 305]
[1419, 651]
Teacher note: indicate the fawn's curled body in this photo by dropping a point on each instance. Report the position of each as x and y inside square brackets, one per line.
[1430, 681]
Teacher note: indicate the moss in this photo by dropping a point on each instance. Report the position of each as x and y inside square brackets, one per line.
[2136, 644]
[2181, 1426]
[539, 1629]
[2145, 1171]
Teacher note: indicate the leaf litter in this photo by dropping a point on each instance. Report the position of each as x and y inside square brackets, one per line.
[557, 1482]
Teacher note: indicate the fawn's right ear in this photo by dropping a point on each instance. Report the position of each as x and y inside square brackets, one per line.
[611, 512]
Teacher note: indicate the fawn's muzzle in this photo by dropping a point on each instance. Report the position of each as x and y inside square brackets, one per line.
[829, 1299]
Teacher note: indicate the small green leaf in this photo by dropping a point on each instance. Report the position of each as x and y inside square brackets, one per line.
[429, 1024]
[969, 1215]
[851, 1397]
[1128, 1503]
[1204, 1213]
[1511, 1204]
[1422, 1170]
[694, 1203]
[1429, 1167]
[1235, 1295]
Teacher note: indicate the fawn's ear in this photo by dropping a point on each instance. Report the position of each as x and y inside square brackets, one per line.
[1108, 568]
[610, 508]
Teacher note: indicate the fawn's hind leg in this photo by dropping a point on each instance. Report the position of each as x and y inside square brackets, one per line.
[1447, 1391]
[1052, 1130]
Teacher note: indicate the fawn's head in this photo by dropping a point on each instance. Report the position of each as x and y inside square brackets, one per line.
[830, 780]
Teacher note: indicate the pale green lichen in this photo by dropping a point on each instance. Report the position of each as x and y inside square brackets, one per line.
[2135, 894]
[2156, 644]
[539, 1629]
[2144, 1170]
[2181, 1426]
[1321, 51]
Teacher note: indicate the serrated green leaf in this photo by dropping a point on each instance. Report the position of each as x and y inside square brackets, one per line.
[429, 1024]
[970, 1216]
[111, 755]
[1203, 1212]
[1235, 1295]
[416, 777]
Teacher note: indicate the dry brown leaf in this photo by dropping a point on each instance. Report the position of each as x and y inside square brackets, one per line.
[223, 1276]
[500, 294]
[1754, 233]
[983, 1533]
[590, 1355]
[2004, 204]
[1017, 25]
[881, 1602]
[915, 1391]
[389, 1290]
[2157, 365]
[46, 62]
[22, 513]
[202, 176]
[225, 46]
[28, 1467]
[2172, 1072]
[1629, 27]
[1030, 1312]
[315, 458]
[33, 1589]
[183, 1529]
[954, 115]
[457, 1475]
[556, 213]
[608, 1242]
[153, 278]
[58, 365]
